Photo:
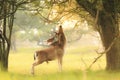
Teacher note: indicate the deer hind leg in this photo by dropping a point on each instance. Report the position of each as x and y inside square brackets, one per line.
[33, 65]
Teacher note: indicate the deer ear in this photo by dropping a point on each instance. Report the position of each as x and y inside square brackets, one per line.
[56, 32]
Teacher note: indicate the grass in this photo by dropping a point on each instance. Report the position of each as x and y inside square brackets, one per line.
[76, 61]
[65, 75]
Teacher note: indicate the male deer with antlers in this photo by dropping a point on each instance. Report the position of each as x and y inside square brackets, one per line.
[54, 51]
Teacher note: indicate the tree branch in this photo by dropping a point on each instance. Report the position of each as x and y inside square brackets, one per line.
[89, 7]
[16, 6]
[101, 53]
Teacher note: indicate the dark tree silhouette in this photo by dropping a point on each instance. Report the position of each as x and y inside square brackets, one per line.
[7, 11]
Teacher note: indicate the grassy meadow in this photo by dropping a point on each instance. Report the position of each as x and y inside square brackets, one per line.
[75, 62]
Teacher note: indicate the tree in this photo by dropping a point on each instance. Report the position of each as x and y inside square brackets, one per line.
[7, 11]
[108, 27]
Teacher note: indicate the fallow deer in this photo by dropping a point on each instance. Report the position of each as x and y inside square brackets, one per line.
[54, 51]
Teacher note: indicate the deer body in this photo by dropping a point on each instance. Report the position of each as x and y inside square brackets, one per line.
[54, 51]
[48, 54]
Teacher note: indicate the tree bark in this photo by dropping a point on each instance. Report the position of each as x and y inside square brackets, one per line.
[109, 29]
[4, 63]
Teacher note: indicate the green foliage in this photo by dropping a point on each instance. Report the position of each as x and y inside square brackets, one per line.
[29, 24]
[25, 21]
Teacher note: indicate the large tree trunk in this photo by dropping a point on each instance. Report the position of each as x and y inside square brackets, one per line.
[108, 20]
[110, 31]
[4, 63]
[4, 52]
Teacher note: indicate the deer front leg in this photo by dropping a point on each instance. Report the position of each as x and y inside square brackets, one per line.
[60, 64]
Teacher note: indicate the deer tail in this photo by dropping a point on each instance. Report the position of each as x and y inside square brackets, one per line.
[35, 55]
